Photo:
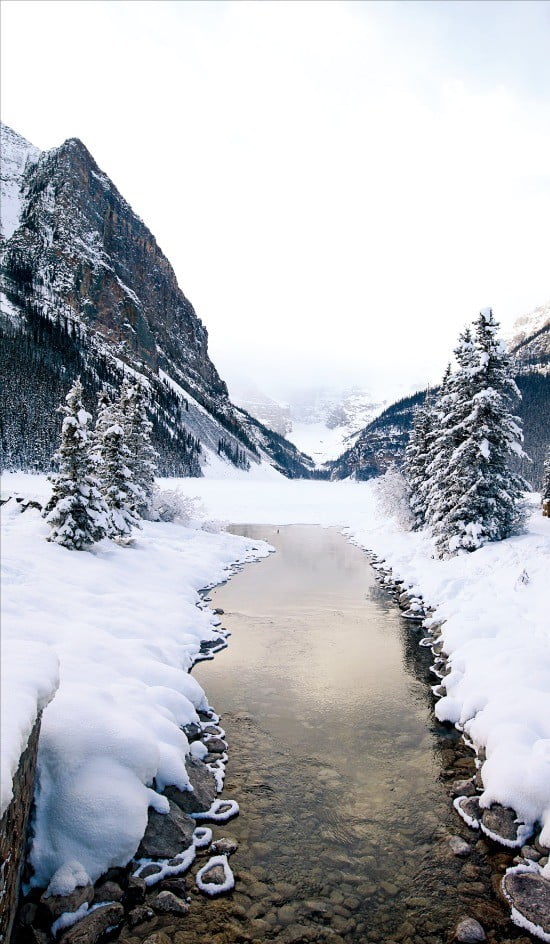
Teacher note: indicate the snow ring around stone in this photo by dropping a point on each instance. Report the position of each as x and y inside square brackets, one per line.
[202, 837]
[213, 888]
[219, 812]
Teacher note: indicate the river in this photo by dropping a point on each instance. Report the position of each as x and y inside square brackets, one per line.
[335, 759]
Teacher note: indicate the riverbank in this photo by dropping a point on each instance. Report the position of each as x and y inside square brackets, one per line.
[126, 625]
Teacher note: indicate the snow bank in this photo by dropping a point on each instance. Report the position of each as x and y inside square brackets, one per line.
[29, 679]
[124, 623]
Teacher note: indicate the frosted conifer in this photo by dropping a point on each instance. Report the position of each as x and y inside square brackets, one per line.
[112, 458]
[546, 485]
[415, 462]
[483, 500]
[76, 512]
[142, 457]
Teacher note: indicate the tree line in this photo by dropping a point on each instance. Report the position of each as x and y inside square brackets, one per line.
[459, 463]
[105, 476]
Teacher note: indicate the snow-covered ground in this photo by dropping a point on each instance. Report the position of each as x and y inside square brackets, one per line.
[125, 626]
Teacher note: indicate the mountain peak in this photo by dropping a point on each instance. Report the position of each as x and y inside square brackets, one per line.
[18, 155]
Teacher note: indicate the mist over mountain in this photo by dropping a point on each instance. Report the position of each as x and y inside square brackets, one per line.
[85, 289]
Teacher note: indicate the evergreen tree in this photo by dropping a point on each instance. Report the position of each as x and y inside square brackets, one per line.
[546, 485]
[112, 459]
[76, 512]
[142, 457]
[482, 498]
[416, 461]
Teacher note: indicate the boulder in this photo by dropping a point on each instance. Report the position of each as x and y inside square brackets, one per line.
[529, 894]
[57, 905]
[215, 745]
[469, 931]
[204, 792]
[167, 834]
[168, 903]
[135, 892]
[108, 891]
[139, 915]
[91, 928]
[463, 788]
[500, 823]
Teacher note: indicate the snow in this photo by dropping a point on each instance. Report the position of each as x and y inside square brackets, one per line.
[17, 154]
[214, 888]
[125, 626]
[29, 679]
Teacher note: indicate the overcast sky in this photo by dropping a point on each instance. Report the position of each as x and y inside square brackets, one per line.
[340, 187]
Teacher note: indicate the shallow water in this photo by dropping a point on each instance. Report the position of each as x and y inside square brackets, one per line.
[335, 759]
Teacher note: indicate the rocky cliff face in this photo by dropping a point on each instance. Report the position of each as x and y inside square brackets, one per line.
[74, 254]
[530, 339]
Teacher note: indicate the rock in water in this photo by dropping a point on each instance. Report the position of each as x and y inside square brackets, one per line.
[529, 894]
[501, 824]
[204, 791]
[469, 931]
[459, 846]
[167, 834]
[168, 903]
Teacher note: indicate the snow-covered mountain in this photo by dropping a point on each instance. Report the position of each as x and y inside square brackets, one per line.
[321, 421]
[529, 339]
[86, 289]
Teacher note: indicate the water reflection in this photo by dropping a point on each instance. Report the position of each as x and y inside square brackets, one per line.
[333, 756]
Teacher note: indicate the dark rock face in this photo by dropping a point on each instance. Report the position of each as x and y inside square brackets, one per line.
[86, 281]
[204, 790]
[13, 831]
[167, 834]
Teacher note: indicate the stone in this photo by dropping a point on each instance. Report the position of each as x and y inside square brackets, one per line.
[215, 745]
[168, 903]
[135, 891]
[529, 852]
[204, 790]
[157, 937]
[459, 846]
[139, 915]
[471, 811]
[463, 788]
[389, 888]
[109, 891]
[469, 931]
[167, 834]
[499, 822]
[192, 731]
[91, 928]
[214, 876]
[225, 846]
[218, 611]
[26, 914]
[151, 869]
[529, 894]
[176, 884]
[56, 905]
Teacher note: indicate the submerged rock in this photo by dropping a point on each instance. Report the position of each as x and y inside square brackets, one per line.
[225, 846]
[167, 834]
[168, 903]
[469, 931]
[459, 846]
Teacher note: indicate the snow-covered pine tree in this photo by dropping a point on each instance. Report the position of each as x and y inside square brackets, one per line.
[482, 502]
[76, 512]
[416, 460]
[546, 485]
[142, 458]
[112, 462]
[454, 404]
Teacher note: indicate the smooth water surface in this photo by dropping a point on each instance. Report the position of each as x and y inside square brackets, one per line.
[334, 757]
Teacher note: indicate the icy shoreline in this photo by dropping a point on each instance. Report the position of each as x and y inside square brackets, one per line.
[127, 624]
